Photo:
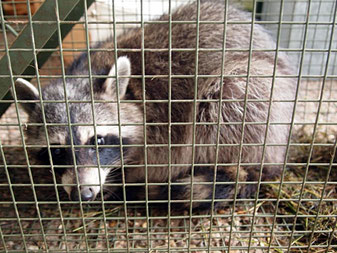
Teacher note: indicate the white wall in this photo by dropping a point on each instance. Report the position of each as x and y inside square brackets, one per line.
[318, 36]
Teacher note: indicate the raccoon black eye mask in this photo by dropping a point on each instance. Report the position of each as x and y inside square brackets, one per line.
[108, 155]
[148, 144]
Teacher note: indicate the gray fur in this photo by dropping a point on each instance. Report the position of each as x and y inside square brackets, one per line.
[183, 63]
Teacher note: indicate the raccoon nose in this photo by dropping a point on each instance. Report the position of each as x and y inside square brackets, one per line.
[86, 194]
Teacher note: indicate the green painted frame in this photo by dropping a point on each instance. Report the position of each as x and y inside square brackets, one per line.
[45, 27]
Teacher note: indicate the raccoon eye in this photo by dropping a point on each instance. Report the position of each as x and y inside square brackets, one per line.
[100, 140]
[57, 152]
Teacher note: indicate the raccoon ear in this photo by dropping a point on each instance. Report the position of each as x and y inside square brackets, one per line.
[123, 69]
[26, 91]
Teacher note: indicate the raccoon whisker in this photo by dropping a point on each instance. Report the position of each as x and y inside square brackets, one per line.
[109, 193]
[112, 181]
[107, 189]
[114, 174]
[113, 177]
[113, 170]
[116, 196]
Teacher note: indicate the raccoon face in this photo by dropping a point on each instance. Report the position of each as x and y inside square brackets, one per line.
[75, 128]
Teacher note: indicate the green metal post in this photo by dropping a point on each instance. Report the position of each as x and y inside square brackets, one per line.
[45, 34]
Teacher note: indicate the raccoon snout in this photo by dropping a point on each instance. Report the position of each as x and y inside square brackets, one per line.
[87, 194]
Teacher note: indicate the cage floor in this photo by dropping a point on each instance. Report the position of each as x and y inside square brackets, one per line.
[140, 233]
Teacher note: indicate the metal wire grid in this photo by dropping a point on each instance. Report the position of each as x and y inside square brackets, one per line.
[317, 44]
[39, 224]
[292, 35]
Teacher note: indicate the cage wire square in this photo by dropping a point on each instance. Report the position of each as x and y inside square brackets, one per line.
[295, 213]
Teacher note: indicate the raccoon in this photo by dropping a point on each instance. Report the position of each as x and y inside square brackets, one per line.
[186, 115]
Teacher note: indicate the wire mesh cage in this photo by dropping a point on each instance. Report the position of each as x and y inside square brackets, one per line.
[43, 206]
